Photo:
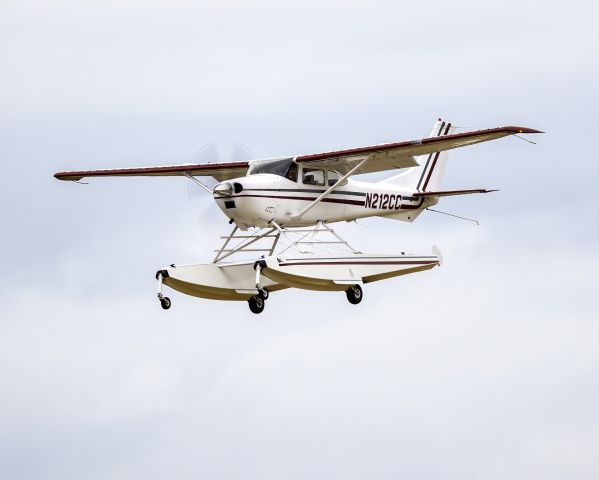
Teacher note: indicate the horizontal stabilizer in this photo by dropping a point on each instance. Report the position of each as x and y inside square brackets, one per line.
[449, 193]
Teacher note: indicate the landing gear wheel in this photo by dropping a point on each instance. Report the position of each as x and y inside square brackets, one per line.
[263, 293]
[354, 294]
[165, 303]
[256, 304]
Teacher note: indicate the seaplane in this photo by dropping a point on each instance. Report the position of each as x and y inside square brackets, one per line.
[281, 211]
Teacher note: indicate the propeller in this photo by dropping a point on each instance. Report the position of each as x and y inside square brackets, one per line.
[212, 153]
[206, 154]
[242, 152]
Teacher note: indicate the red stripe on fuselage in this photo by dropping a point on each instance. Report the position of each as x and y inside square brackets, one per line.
[329, 200]
[308, 199]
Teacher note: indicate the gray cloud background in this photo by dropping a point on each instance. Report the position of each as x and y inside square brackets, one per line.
[485, 368]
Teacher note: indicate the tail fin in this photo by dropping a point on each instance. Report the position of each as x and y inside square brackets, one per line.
[427, 176]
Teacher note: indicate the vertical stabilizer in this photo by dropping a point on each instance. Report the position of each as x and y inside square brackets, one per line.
[427, 176]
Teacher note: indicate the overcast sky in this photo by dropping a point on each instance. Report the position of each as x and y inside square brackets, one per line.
[485, 368]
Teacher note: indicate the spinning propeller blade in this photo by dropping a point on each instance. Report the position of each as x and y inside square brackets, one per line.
[208, 153]
[241, 152]
[211, 152]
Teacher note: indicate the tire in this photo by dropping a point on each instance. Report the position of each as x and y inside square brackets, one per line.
[256, 304]
[354, 294]
[165, 303]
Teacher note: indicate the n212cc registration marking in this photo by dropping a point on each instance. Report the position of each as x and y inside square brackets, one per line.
[383, 201]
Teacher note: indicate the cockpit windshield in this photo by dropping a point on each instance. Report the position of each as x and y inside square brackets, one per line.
[280, 166]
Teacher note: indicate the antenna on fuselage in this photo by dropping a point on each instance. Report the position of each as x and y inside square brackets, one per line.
[455, 216]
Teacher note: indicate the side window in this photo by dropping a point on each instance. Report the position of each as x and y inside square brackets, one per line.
[332, 178]
[313, 177]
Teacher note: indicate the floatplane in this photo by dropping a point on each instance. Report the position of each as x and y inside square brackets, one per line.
[281, 210]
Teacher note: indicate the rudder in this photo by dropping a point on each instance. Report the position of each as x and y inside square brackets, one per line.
[427, 176]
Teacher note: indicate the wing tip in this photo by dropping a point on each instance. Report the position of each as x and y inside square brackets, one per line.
[67, 176]
[516, 129]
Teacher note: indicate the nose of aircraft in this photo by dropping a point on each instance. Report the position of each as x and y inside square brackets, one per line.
[223, 189]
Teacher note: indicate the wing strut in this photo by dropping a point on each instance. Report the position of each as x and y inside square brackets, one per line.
[197, 182]
[337, 184]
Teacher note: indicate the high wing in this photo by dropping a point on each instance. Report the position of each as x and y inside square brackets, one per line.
[220, 171]
[390, 156]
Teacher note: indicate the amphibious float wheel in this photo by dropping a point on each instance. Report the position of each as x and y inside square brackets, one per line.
[256, 304]
[165, 303]
[263, 293]
[354, 294]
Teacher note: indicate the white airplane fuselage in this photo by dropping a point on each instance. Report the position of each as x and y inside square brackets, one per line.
[257, 200]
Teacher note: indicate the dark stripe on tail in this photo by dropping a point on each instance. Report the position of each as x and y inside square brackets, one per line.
[429, 158]
[434, 161]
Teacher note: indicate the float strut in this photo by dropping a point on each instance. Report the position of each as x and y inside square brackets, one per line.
[258, 270]
[258, 266]
[159, 278]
